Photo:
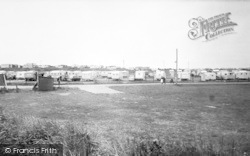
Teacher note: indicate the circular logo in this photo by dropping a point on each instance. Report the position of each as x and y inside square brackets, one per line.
[7, 150]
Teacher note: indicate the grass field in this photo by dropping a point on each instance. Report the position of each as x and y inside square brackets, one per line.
[209, 119]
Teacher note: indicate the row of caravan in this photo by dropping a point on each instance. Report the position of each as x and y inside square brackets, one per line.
[126, 75]
[67, 75]
[204, 75]
[27, 75]
[225, 75]
[78, 75]
[91, 75]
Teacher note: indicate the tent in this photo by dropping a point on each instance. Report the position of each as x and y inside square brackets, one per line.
[140, 75]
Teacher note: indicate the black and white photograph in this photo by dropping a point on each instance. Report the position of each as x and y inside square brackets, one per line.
[124, 78]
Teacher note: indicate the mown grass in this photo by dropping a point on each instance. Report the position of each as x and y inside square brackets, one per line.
[77, 141]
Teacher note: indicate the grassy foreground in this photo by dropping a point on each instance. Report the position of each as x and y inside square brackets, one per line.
[77, 141]
[204, 120]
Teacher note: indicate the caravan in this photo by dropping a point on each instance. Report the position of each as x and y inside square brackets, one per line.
[30, 76]
[2, 72]
[117, 75]
[159, 74]
[184, 75]
[77, 76]
[72, 76]
[140, 75]
[242, 74]
[104, 74]
[172, 73]
[57, 74]
[10, 75]
[88, 75]
[225, 75]
[109, 74]
[125, 74]
[206, 76]
[20, 75]
[46, 74]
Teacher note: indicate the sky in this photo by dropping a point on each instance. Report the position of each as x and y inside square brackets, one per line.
[119, 32]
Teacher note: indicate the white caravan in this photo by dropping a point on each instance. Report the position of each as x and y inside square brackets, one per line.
[77, 76]
[172, 72]
[73, 75]
[46, 74]
[104, 74]
[11, 75]
[57, 73]
[140, 75]
[242, 74]
[183, 75]
[89, 75]
[206, 76]
[20, 75]
[30, 75]
[110, 74]
[2, 72]
[131, 77]
[159, 74]
[117, 75]
[225, 75]
[125, 74]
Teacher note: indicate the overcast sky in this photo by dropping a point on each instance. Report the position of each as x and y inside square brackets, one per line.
[142, 33]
